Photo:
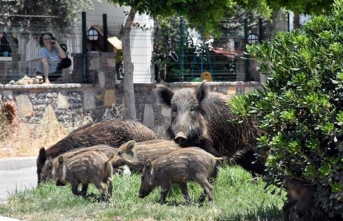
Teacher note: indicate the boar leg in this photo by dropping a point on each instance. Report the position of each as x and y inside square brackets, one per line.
[102, 189]
[202, 197]
[165, 187]
[286, 209]
[74, 188]
[84, 190]
[110, 186]
[184, 191]
[207, 190]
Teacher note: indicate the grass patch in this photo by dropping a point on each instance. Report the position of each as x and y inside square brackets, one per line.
[236, 198]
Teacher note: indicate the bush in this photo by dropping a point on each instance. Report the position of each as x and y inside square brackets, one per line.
[300, 107]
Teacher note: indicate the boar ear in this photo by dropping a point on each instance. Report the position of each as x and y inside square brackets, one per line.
[201, 92]
[164, 95]
[131, 144]
[60, 159]
[41, 156]
[148, 165]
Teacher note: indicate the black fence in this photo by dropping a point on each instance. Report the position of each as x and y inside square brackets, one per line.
[182, 54]
[179, 54]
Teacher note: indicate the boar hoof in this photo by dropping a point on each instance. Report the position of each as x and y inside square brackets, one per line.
[59, 183]
[162, 202]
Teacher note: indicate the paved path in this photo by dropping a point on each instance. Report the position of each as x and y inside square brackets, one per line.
[16, 180]
[16, 174]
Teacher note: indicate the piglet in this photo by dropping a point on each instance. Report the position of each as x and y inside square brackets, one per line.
[180, 167]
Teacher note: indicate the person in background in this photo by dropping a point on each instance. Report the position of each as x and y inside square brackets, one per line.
[50, 54]
[5, 48]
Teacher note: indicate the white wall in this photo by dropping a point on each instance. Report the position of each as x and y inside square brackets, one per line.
[141, 41]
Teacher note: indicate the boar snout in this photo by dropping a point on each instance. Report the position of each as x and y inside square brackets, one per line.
[180, 138]
[60, 183]
[143, 193]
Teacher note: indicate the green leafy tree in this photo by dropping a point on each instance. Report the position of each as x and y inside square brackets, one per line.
[60, 14]
[300, 107]
[313, 7]
[206, 14]
[201, 13]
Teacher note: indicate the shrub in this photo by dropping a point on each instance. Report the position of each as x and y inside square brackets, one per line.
[300, 106]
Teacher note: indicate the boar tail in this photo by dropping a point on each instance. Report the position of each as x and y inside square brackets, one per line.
[220, 158]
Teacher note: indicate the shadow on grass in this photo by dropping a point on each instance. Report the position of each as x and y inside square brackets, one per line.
[96, 198]
[271, 213]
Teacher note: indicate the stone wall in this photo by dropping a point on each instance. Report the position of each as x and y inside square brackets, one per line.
[72, 103]
[100, 65]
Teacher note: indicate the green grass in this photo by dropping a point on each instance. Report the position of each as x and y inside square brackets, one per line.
[236, 198]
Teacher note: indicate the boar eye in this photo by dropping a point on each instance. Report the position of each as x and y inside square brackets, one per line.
[174, 109]
[120, 153]
[192, 109]
[50, 167]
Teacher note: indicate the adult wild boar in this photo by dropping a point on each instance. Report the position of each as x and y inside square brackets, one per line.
[135, 154]
[46, 174]
[180, 167]
[112, 132]
[85, 168]
[201, 118]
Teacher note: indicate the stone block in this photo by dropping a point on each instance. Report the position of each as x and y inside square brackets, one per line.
[148, 117]
[111, 62]
[231, 90]
[49, 123]
[24, 105]
[109, 98]
[101, 79]
[89, 100]
[248, 90]
[7, 95]
[62, 100]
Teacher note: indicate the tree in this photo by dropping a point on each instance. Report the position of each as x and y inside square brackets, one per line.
[60, 14]
[198, 13]
[201, 13]
[312, 7]
[300, 107]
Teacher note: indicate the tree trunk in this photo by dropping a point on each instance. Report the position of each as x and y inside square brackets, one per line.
[296, 21]
[129, 96]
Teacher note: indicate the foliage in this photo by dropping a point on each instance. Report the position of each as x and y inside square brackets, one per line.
[59, 14]
[314, 7]
[167, 39]
[201, 13]
[300, 106]
[236, 197]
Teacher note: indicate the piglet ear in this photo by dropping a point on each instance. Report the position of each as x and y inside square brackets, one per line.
[60, 159]
[148, 165]
[164, 95]
[131, 144]
[202, 91]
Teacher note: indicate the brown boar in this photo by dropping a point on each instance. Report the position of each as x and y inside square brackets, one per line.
[85, 168]
[46, 174]
[201, 118]
[112, 132]
[180, 167]
[135, 154]
[300, 199]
